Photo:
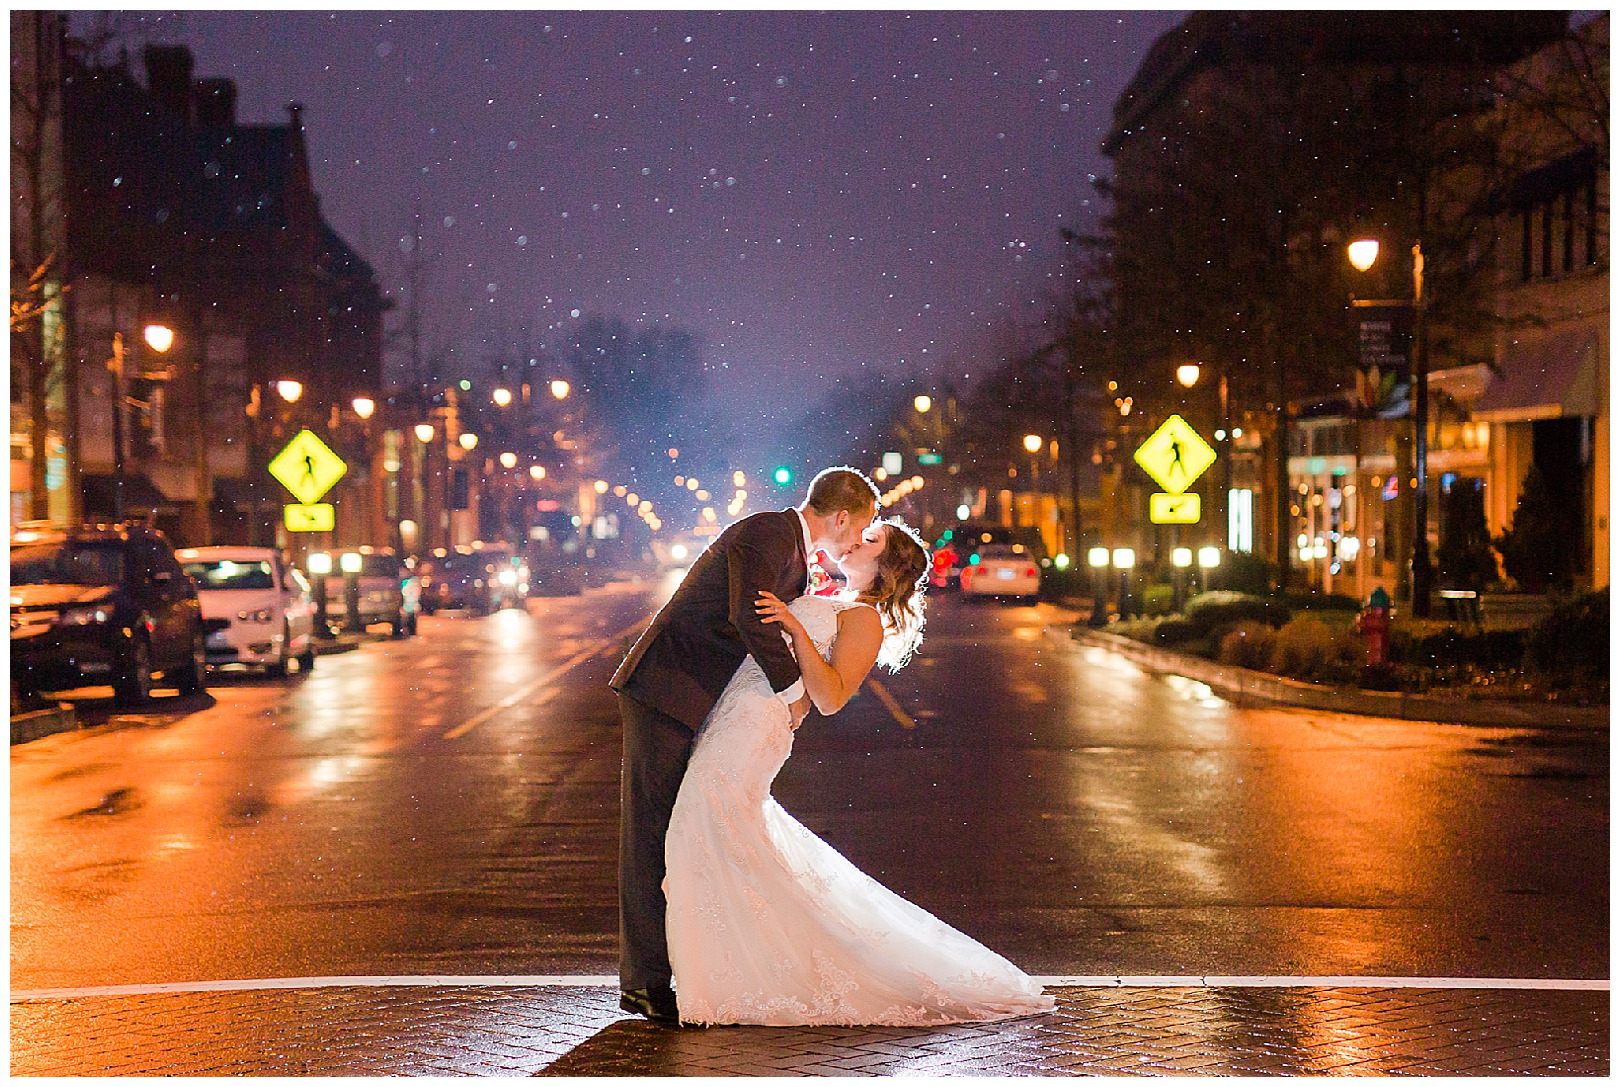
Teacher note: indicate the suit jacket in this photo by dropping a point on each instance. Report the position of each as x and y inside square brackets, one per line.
[698, 640]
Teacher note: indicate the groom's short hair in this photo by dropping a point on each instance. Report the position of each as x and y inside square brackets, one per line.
[841, 488]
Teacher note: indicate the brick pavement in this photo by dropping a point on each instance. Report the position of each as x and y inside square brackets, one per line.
[578, 1031]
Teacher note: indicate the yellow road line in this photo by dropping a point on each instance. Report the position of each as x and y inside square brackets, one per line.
[528, 692]
[890, 704]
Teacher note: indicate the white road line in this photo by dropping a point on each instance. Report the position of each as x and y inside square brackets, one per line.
[890, 704]
[528, 692]
[509, 981]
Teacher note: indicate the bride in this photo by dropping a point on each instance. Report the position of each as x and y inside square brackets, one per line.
[769, 925]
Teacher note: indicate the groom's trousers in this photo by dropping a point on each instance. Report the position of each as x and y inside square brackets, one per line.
[656, 750]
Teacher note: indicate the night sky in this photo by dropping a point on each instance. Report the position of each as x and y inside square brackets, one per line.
[809, 193]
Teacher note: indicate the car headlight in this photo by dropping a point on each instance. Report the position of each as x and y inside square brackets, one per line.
[84, 616]
[263, 615]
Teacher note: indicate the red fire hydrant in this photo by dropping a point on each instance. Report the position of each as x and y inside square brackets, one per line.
[1373, 624]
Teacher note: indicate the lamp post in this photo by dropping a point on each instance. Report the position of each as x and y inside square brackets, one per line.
[1363, 253]
[1097, 558]
[1124, 561]
[159, 338]
[1181, 558]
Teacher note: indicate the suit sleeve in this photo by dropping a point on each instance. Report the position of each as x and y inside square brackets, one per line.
[755, 559]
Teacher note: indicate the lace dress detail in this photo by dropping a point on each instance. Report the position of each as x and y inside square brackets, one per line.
[769, 925]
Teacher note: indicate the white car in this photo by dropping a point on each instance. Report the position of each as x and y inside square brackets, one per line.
[1002, 570]
[256, 608]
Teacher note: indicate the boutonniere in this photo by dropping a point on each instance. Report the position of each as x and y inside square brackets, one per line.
[822, 583]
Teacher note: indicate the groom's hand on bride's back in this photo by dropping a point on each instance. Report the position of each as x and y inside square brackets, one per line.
[800, 709]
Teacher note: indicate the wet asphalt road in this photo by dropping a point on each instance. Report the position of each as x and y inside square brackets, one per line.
[448, 805]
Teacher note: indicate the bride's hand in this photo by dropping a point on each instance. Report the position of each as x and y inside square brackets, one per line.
[771, 610]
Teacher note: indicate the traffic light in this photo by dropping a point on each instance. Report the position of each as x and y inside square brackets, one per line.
[783, 475]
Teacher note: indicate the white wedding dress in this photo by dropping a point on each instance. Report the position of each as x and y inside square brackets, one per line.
[769, 925]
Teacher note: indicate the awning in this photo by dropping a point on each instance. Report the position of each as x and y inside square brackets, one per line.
[1544, 376]
[140, 496]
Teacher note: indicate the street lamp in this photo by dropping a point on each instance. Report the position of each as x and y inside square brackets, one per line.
[922, 404]
[424, 432]
[559, 389]
[1033, 443]
[537, 472]
[364, 406]
[1097, 559]
[1363, 253]
[159, 337]
[468, 440]
[1187, 373]
[508, 460]
[290, 391]
[1124, 561]
[502, 397]
[1181, 558]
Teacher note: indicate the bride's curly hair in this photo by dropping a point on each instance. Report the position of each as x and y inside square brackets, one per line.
[897, 592]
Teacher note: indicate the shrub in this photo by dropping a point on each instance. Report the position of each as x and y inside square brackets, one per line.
[1242, 572]
[1216, 609]
[1322, 602]
[1452, 647]
[1316, 650]
[1248, 645]
[1539, 547]
[1158, 600]
[1178, 631]
[1573, 639]
[1139, 630]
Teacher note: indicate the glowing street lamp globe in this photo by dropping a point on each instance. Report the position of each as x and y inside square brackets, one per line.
[158, 337]
[1033, 442]
[364, 406]
[424, 432]
[1363, 253]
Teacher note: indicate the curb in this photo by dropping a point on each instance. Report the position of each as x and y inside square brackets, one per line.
[36, 723]
[1248, 683]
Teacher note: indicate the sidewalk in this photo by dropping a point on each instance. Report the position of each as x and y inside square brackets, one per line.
[577, 1030]
[65, 717]
[1248, 683]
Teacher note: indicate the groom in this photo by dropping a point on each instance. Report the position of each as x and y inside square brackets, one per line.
[673, 676]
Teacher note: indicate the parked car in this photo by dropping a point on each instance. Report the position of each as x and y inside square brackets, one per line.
[1002, 570]
[103, 604]
[382, 590]
[479, 581]
[257, 609]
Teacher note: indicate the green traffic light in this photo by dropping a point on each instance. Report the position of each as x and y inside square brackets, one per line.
[783, 476]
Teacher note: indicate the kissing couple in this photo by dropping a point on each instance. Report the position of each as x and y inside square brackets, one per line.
[730, 910]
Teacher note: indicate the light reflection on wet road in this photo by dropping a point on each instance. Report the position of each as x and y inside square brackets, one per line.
[448, 804]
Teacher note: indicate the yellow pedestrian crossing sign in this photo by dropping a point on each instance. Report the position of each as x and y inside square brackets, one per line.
[307, 467]
[309, 517]
[1175, 455]
[1174, 509]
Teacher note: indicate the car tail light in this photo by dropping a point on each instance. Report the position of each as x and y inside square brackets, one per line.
[1030, 572]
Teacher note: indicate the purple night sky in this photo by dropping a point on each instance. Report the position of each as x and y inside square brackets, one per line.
[809, 193]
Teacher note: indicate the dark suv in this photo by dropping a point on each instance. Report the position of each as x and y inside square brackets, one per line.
[102, 604]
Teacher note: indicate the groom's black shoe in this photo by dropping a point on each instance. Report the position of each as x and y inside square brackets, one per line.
[657, 1003]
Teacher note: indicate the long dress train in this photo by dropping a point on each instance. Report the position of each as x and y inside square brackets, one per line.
[769, 925]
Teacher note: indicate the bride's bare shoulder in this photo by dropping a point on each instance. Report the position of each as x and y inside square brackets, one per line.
[859, 612]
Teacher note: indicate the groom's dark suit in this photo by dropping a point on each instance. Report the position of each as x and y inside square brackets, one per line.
[667, 685]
